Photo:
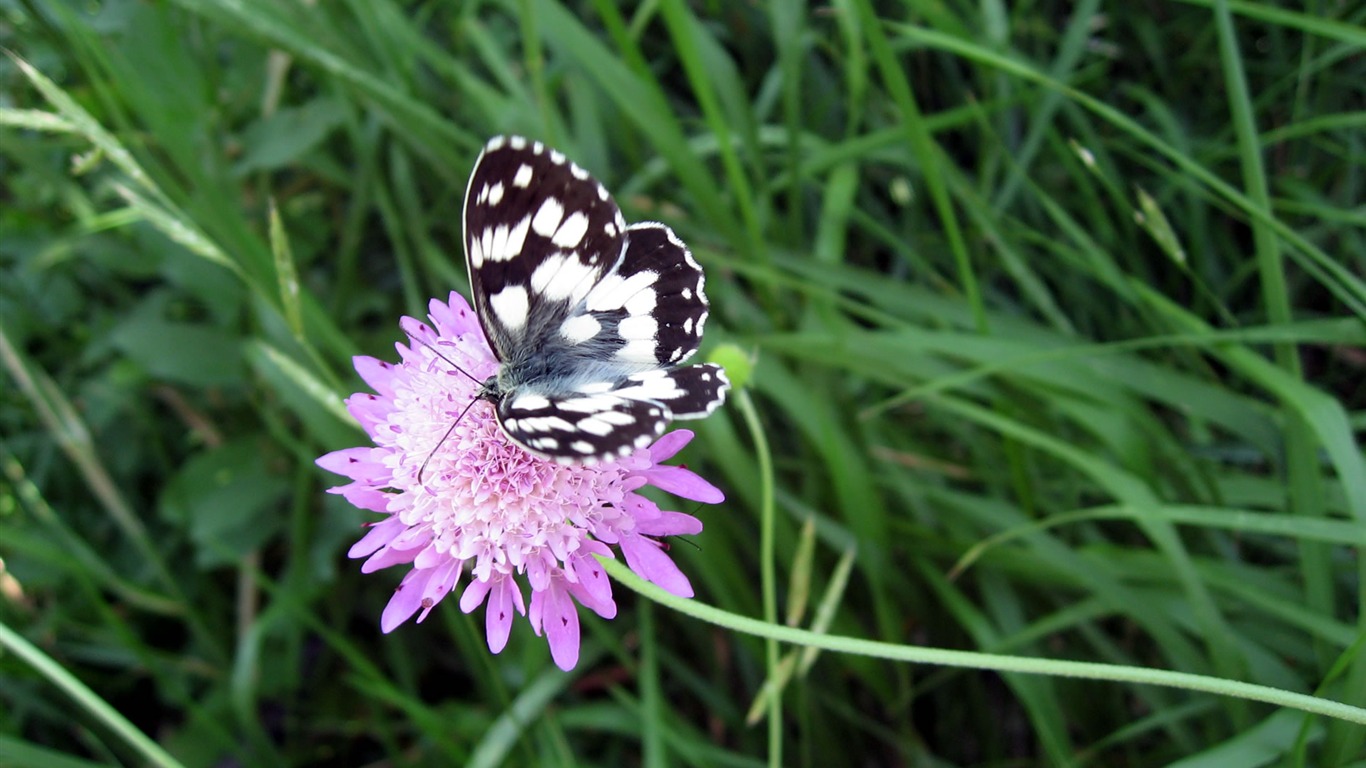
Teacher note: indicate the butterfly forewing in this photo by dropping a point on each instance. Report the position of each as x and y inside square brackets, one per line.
[587, 316]
[539, 233]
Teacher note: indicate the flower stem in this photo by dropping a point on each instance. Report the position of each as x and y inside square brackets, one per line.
[1084, 670]
[86, 699]
[767, 571]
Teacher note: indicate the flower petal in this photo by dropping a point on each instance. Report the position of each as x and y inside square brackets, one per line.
[560, 620]
[666, 446]
[592, 588]
[453, 317]
[474, 595]
[355, 463]
[498, 613]
[379, 535]
[405, 602]
[684, 483]
[417, 330]
[671, 524]
[377, 373]
[646, 557]
[364, 496]
[442, 581]
[389, 555]
[370, 410]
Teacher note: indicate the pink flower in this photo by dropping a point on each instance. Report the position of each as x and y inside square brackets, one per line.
[483, 506]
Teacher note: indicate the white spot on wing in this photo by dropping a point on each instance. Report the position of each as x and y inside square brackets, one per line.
[498, 249]
[523, 177]
[579, 329]
[590, 404]
[510, 305]
[563, 276]
[556, 157]
[594, 426]
[571, 232]
[516, 238]
[643, 303]
[496, 193]
[582, 446]
[613, 291]
[641, 327]
[517, 143]
[530, 402]
[548, 217]
[578, 172]
[546, 424]
[652, 387]
[486, 243]
[476, 252]
[637, 351]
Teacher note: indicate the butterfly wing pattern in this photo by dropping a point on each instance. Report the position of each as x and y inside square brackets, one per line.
[590, 319]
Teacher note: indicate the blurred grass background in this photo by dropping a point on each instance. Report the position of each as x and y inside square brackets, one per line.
[1057, 309]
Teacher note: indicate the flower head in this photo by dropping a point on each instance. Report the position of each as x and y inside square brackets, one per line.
[459, 498]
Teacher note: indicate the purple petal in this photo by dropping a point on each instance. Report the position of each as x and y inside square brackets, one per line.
[665, 447]
[368, 409]
[671, 524]
[431, 557]
[405, 602]
[442, 581]
[685, 483]
[379, 535]
[355, 463]
[640, 508]
[386, 557]
[417, 330]
[375, 372]
[561, 625]
[474, 595]
[593, 588]
[498, 613]
[364, 496]
[647, 558]
[453, 318]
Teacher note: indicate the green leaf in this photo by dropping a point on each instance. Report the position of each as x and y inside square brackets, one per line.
[228, 500]
[287, 135]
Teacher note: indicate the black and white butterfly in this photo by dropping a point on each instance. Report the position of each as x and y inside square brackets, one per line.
[590, 319]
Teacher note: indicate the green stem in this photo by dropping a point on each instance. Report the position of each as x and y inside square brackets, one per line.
[85, 698]
[768, 579]
[1083, 670]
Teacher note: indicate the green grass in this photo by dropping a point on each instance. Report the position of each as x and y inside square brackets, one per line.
[1048, 454]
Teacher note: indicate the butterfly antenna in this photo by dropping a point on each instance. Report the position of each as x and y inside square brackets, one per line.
[449, 361]
[442, 441]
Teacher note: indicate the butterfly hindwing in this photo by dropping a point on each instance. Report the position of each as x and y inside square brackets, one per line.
[653, 306]
[587, 316]
[581, 427]
[608, 419]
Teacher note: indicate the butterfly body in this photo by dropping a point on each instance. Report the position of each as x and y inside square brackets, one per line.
[590, 319]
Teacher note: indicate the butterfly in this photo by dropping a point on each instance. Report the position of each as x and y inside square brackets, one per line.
[591, 320]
